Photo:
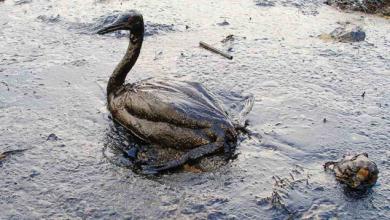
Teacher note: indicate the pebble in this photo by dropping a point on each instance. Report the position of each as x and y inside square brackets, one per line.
[52, 137]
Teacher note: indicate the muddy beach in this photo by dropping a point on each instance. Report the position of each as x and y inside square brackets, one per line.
[315, 100]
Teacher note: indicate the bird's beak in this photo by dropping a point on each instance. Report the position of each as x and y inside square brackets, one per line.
[113, 27]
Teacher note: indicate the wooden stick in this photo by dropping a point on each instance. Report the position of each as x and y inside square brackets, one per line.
[215, 50]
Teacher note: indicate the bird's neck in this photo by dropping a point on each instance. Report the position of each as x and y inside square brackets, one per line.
[118, 77]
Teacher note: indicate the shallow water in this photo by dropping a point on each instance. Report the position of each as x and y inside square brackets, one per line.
[53, 73]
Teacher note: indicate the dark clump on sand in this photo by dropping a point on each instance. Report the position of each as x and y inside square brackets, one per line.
[368, 6]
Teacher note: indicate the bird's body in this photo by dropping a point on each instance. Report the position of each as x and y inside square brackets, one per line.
[173, 114]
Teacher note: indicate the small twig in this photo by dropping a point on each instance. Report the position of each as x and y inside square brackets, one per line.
[215, 50]
[292, 177]
[6, 153]
[3, 155]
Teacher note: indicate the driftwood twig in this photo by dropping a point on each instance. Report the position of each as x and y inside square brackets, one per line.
[215, 50]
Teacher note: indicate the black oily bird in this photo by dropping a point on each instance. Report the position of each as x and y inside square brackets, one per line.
[172, 114]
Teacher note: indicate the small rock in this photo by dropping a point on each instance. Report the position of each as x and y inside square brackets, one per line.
[356, 171]
[224, 23]
[230, 37]
[34, 174]
[265, 3]
[52, 137]
[132, 153]
[345, 34]
[5, 84]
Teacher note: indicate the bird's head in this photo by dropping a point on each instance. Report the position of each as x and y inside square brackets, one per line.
[131, 21]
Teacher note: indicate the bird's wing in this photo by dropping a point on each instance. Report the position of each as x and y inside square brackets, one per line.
[184, 104]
